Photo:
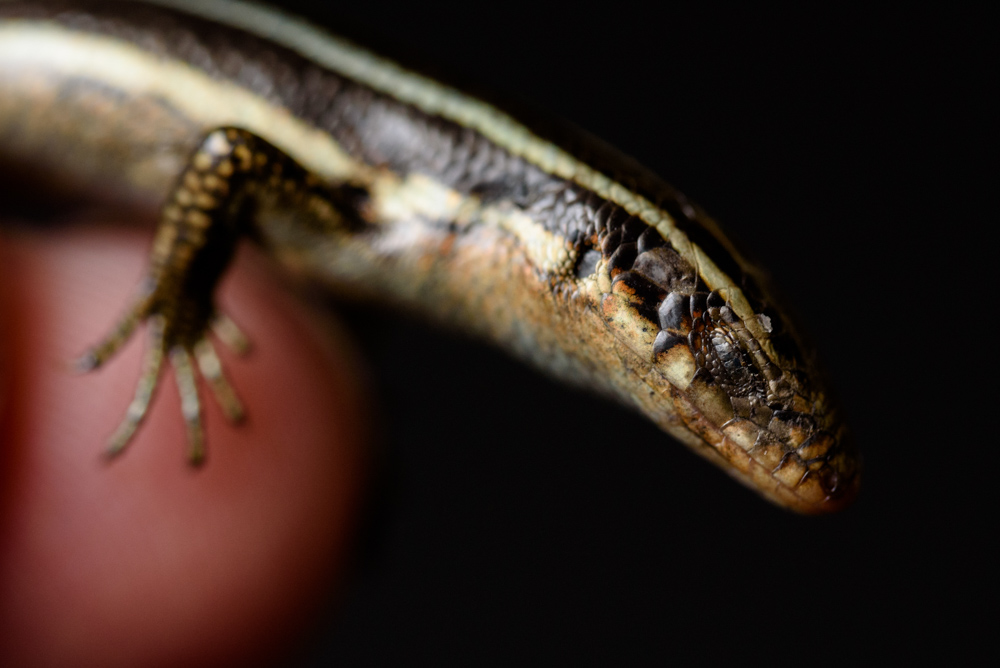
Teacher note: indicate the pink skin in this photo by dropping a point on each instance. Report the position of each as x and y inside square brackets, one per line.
[144, 560]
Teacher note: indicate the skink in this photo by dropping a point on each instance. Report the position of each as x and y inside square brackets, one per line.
[384, 185]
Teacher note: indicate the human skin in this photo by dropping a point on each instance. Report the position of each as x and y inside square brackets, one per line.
[145, 560]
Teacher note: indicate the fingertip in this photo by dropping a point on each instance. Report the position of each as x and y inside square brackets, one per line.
[139, 556]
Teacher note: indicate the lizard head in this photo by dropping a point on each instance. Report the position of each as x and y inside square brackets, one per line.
[727, 372]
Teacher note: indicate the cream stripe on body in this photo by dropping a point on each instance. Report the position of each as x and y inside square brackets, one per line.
[212, 103]
[220, 103]
[433, 98]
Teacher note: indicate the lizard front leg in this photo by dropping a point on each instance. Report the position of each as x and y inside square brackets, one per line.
[210, 209]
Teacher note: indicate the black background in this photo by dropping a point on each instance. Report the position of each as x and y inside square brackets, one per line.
[514, 521]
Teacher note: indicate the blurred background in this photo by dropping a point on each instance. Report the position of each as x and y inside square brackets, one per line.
[514, 521]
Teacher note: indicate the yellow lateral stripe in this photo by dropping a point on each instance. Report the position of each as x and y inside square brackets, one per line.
[427, 95]
[212, 103]
[215, 104]
[118, 62]
[434, 98]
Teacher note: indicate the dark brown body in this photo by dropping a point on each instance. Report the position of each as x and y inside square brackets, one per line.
[566, 254]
